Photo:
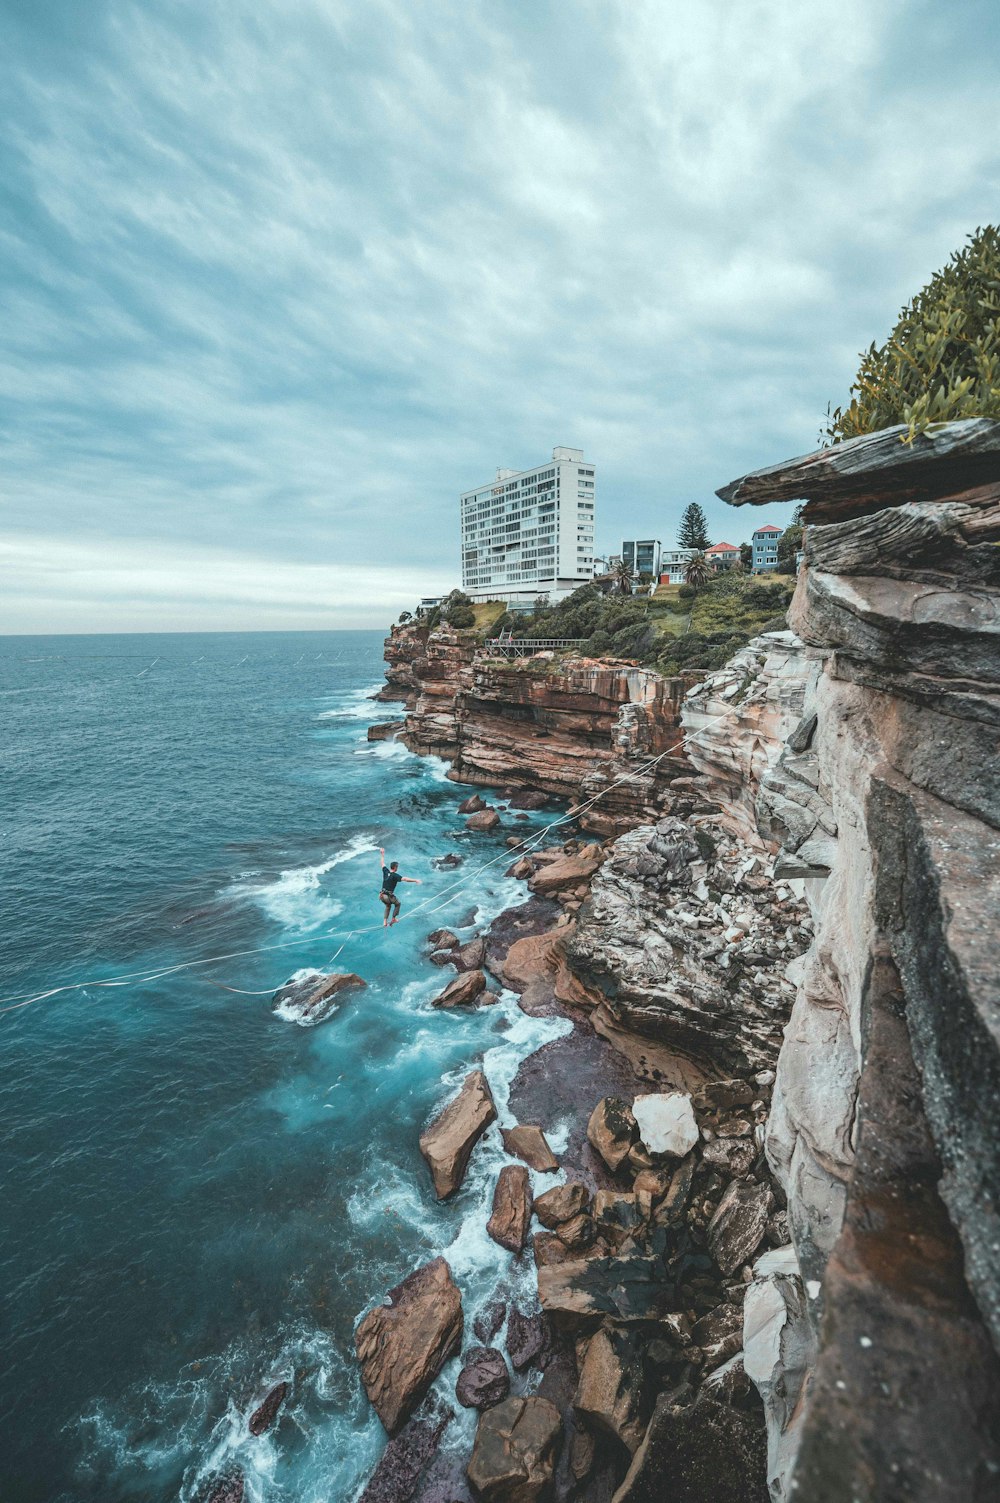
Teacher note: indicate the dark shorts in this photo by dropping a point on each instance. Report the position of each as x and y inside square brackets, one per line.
[388, 897]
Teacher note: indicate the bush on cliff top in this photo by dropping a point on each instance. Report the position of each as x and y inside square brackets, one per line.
[942, 360]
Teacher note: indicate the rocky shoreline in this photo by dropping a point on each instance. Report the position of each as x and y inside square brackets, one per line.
[763, 1266]
[653, 1231]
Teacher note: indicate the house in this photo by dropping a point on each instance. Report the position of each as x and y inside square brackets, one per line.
[722, 556]
[673, 564]
[642, 555]
[765, 548]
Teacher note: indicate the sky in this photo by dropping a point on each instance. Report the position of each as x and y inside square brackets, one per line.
[280, 278]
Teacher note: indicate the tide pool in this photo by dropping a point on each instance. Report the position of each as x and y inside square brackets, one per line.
[201, 1197]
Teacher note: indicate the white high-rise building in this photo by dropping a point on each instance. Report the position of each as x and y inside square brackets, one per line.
[530, 532]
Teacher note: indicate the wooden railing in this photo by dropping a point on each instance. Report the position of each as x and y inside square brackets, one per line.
[521, 647]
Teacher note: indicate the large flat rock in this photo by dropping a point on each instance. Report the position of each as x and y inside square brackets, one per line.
[403, 1343]
[448, 1143]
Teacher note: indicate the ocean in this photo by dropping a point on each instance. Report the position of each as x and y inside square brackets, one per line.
[201, 1196]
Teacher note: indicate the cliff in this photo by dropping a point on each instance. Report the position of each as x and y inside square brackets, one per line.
[884, 800]
[568, 728]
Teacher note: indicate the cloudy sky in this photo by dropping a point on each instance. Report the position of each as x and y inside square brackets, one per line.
[281, 277]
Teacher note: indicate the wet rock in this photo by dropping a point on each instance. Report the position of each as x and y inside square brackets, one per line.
[486, 819]
[666, 1124]
[516, 1450]
[737, 1228]
[448, 861]
[448, 1143]
[470, 956]
[463, 991]
[675, 1202]
[228, 1489]
[528, 1142]
[521, 869]
[612, 1130]
[266, 1413]
[484, 1379]
[472, 805]
[612, 1392]
[652, 1185]
[729, 1384]
[403, 1343]
[724, 1095]
[442, 939]
[508, 1225]
[488, 1322]
[406, 1458]
[527, 1338]
[316, 997]
[562, 1204]
[704, 1451]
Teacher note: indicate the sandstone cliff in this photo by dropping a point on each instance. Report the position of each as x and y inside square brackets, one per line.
[567, 728]
[885, 800]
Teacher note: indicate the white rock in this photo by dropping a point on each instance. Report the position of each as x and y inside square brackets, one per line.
[666, 1123]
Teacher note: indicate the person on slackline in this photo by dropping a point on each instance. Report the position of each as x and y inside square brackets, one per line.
[391, 876]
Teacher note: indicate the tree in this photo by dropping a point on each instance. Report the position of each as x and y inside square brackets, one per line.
[789, 544]
[621, 576]
[698, 572]
[942, 360]
[405, 616]
[693, 531]
[746, 555]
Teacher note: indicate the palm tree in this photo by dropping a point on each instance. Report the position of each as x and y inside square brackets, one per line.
[698, 572]
[621, 576]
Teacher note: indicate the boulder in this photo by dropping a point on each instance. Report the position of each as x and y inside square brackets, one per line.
[729, 1384]
[562, 1204]
[612, 1392]
[406, 1458]
[472, 805]
[528, 800]
[578, 1233]
[403, 1343]
[484, 1379]
[448, 1143]
[618, 1215]
[448, 861]
[265, 1414]
[733, 1156]
[612, 1130]
[463, 991]
[442, 939]
[470, 956]
[691, 1454]
[737, 1229]
[580, 1293]
[719, 1334]
[508, 1225]
[565, 872]
[486, 819]
[528, 1142]
[527, 1338]
[779, 1355]
[314, 998]
[228, 1489]
[489, 1320]
[516, 1450]
[666, 1124]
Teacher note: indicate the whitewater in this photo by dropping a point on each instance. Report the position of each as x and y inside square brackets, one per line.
[201, 1198]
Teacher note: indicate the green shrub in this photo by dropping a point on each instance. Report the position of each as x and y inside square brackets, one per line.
[942, 360]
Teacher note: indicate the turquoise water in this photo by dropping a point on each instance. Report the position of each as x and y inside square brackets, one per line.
[199, 1196]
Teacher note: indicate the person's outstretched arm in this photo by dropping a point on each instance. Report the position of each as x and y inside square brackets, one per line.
[415, 880]
[381, 854]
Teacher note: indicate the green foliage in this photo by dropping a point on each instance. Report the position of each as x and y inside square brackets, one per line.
[693, 531]
[698, 572]
[942, 360]
[461, 617]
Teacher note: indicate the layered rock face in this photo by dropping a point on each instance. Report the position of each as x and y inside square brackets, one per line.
[568, 728]
[886, 801]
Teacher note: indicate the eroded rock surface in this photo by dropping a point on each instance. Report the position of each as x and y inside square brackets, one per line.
[516, 1449]
[511, 1215]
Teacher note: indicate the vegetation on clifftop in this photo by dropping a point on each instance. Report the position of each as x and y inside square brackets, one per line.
[942, 360]
[680, 628]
